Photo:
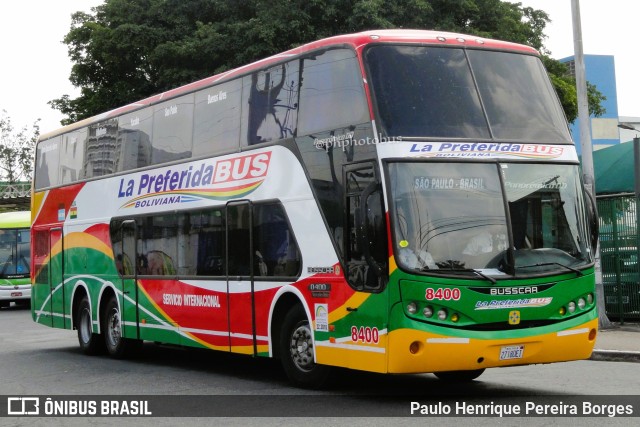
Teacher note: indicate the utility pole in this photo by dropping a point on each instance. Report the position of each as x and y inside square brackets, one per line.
[587, 149]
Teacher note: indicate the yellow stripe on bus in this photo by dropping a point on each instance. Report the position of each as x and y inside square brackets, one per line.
[356, 300]
[83, 240]
[36, 204]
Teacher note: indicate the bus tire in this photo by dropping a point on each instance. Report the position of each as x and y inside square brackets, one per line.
[459, 376]
[296, 351]
[117, 346]
[90, 343]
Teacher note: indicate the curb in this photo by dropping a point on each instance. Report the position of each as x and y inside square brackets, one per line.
[615, 356]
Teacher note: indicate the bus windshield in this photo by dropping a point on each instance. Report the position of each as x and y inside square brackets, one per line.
[14, 253]
[434, 92]
[453, 217]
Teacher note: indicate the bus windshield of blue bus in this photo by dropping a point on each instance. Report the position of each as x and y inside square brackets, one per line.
[14, 253]
[442, 92]
[453, 217]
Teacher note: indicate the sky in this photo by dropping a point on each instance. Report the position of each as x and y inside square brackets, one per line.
[35, 66]
[609, 27]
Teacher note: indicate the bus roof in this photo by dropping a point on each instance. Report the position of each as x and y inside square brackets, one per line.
[17, 219]
[356, 40]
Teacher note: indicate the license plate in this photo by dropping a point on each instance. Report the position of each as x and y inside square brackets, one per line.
[16, 294]
[511, 352]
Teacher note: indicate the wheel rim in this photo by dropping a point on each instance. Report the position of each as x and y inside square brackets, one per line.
[85, 325]
[113, 328]
[301, 347]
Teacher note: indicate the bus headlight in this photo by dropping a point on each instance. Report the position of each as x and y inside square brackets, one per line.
[442, 314]
[427, 311]
[590, 299]
[581, 303]
[572, 307]
[412, 308]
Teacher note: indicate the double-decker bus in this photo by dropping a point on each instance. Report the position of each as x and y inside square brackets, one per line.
[391, 201]
[15, 248]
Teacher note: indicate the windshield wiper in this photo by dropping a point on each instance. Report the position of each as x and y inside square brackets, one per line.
[463, 270]
[543, 264]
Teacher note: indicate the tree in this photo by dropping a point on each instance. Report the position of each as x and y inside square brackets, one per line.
[16, 150]
[565, 86]
[126, 50]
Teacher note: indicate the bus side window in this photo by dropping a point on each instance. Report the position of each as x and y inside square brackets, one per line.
[327, 80]
[276, 251]
[134, 140]
[217, 118]
[172, 130]
[238, 240]
[206, 242]
[272, 100]
[158, 243]
[100, 154]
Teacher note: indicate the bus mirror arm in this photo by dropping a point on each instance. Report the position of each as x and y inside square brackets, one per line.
[594, 226]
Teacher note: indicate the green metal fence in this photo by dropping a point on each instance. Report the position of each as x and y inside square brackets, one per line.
[619, 252]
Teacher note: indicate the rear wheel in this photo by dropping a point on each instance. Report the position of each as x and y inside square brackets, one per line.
[117, 346]
[90, 343]
[459, 376]
[296, 351]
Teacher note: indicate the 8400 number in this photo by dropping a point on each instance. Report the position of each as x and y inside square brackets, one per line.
[365, 334]
[445, 294]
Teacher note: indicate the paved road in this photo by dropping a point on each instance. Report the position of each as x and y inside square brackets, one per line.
[36, 360]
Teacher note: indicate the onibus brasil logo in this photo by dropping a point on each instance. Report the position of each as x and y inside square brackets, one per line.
[215, 180]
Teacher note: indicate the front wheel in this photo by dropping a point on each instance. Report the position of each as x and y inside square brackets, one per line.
[459, 376]
[117, 346]
[296, 351]
[90, 343]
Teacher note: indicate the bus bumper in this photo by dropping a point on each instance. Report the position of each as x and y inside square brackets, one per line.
[17, 293]
[419, 351]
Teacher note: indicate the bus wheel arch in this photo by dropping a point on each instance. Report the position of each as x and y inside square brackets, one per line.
[284, 304]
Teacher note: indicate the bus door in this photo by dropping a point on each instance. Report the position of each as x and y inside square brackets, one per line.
[366, 263]
[240, 284]
[56, 277]
[41, 289]
[47, 291]
[128, 295]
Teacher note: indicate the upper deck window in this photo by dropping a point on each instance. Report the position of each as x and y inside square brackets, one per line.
[217, 119]
[332, 93]
[172, 130]
[440, 92]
